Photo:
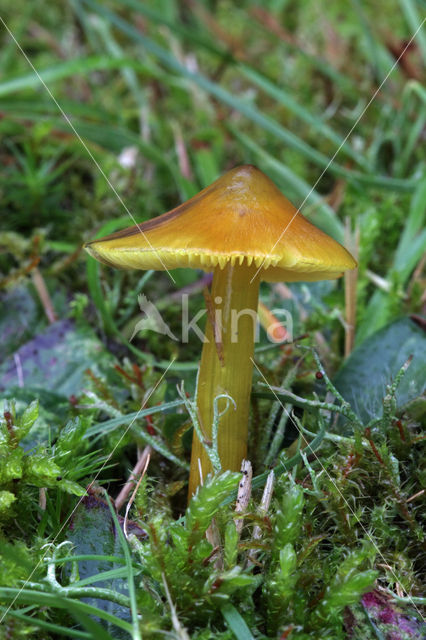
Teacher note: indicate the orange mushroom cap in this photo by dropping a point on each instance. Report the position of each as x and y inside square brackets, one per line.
[242, 219]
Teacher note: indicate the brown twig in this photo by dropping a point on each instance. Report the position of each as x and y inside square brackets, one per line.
[181, 152]
[42, 499]
[137, 470]
[43, 294]
[367, 433]
[269, 21]
[132, 497]
[417, 277]
[262, 510]
[415, 496]
[213, 536]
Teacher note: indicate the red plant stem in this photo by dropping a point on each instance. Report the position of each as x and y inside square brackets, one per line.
[373, 446]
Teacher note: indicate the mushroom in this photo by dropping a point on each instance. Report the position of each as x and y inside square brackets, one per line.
[243, 229]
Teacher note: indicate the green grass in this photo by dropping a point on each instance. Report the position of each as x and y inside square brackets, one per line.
[196, 88]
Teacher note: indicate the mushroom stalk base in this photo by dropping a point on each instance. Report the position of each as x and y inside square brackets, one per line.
[226, 368]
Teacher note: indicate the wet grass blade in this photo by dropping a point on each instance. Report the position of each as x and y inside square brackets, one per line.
[76, 607]
[110, 425]
[285, 98]
[236, 622]
[412, 243]
[75, 67]
[136, 635]
[413, 19]
[43, 624]
[380, 60]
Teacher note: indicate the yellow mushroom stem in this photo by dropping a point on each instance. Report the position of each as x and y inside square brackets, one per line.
[226, 367]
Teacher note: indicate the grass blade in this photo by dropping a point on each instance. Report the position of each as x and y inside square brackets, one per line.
[317, 123]
[413, 19]
[77, 66]
[49, 626]
[110, 425]
[236, 622]
[31, 596]
[136, 635]
[95, 629]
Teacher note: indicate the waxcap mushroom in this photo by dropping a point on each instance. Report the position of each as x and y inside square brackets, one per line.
[241, 218]
[243, 229]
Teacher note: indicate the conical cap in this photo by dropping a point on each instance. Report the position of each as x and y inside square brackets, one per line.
[241, 218]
